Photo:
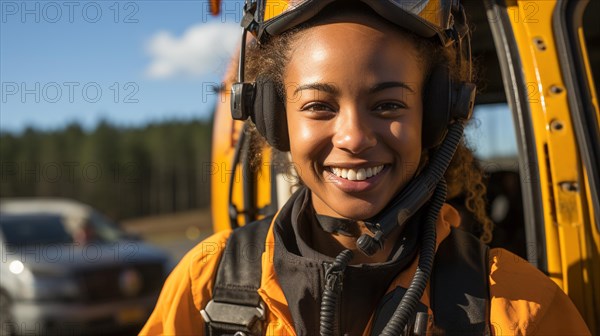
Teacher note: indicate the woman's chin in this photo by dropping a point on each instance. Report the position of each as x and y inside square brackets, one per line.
[359, 213]
[341, 205]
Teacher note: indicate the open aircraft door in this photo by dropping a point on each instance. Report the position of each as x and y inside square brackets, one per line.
[550, 90]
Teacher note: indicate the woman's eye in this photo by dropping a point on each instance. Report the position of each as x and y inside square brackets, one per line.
[317, 107]
[390, 108]
[318, 111]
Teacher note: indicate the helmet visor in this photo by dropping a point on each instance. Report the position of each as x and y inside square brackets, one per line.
[426, 18]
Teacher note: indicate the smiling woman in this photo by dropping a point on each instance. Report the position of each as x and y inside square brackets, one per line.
[354, 113]
[370, 98]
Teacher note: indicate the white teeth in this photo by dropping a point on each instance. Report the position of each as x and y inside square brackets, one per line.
[360, 174]
[351, 175]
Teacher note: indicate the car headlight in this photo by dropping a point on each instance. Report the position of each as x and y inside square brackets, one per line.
[16, 267]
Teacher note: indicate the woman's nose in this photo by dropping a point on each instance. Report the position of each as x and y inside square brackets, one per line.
[353, 133]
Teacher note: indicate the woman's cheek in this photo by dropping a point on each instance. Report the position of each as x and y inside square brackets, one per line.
[405, 139]
[302, 130]
[306, 131]
[405, 132]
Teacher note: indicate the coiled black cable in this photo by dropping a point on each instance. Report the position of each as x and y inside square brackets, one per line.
[415, 194]
[432, 178]
[408, 304]
[334, 277]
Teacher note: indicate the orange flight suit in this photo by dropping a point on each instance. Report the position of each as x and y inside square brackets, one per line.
[524, 301]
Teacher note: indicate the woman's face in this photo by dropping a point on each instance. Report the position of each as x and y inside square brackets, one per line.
[354, 112]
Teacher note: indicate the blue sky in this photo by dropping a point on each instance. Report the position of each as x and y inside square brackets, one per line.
[135, 62]
[129, 62]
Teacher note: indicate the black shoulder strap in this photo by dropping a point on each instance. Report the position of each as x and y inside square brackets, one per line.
[236, 305]
[460, 285]
[238, 277]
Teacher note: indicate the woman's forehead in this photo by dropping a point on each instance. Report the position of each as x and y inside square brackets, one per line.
[357, 34]
[342, 50]
[352, 28]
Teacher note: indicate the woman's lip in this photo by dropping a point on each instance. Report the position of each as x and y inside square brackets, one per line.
[354, 186]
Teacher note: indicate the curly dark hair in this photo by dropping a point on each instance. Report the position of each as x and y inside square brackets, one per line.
[464, 175]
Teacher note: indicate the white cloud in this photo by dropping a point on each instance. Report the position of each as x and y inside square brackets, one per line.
[201, 50]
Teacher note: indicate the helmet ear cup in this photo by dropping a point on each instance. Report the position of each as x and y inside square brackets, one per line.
[436, 107]
[269, 113]
[444, 100]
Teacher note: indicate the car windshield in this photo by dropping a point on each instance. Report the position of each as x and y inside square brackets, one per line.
[105, 229]
[39, 230]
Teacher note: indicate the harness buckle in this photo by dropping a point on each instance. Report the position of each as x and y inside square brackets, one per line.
[233, 316]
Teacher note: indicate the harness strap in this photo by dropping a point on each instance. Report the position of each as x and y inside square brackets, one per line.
[459, 287]
[236, 308]
[460, 297]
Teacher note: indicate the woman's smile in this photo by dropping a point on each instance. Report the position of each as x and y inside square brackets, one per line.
[355, 179]
[356, 174]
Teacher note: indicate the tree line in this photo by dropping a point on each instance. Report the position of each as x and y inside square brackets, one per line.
[124, 172]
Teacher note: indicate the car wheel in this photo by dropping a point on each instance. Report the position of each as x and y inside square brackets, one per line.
[6, 324]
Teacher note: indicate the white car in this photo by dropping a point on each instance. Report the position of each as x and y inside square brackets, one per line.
[67, 269]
